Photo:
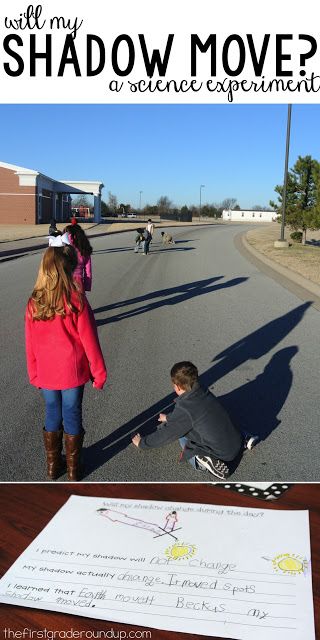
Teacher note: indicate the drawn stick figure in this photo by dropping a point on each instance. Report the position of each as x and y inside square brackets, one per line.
[171, 520]
[118, 516]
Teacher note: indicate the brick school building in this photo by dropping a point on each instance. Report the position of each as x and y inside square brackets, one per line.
[30, 197]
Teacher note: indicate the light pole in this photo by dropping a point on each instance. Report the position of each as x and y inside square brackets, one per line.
[282, 243]
[201, 187]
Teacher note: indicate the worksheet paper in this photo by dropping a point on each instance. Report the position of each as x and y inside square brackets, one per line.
[210, 570]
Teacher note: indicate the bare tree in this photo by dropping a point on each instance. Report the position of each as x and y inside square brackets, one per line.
[164, 205]
[228, 203]
[258, 207]
[80, 201]
[112, 201]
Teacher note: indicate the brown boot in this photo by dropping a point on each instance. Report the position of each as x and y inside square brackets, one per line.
[73, 447]
[53, 446]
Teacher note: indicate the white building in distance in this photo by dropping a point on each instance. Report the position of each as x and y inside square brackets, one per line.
[248, 215]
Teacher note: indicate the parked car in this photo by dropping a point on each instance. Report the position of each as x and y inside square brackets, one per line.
[131, 215]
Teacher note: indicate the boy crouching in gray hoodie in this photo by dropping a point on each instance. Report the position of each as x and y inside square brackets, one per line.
[208, 438]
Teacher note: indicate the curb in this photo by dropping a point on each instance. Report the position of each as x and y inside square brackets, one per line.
[289, 274]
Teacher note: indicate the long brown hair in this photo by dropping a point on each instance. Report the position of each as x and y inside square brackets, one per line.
[79, 239]
[54, 288]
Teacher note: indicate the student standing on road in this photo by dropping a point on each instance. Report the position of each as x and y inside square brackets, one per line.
[147, 237]
[150, 227]
[53, 231]
[63, 354]
[83, 271]
[206, 434]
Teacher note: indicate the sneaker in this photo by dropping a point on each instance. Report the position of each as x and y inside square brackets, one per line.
[251, 442]
[199, 466]
[218, 468]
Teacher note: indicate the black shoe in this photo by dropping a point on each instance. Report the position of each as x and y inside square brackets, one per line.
[218, 468]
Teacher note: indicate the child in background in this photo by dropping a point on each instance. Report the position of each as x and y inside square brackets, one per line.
[83, 271]
[150, 227]
[206, 434]
[167, 238]
[53, 231]
[63, 354]
[139, 239]
[147, 237]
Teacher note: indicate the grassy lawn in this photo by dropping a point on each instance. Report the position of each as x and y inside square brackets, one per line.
[304, 259]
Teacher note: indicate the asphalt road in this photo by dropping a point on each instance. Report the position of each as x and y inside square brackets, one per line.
[255, 343]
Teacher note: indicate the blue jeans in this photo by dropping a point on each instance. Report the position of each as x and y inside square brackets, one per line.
[183, 441]
[64, 407]
[146, 246]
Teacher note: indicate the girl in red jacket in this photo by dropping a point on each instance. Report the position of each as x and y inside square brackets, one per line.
[63, 353]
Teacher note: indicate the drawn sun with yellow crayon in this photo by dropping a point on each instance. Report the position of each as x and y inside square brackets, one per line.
[180, 551]
[290, 564]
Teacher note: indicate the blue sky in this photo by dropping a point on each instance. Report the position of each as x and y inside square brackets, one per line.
[234, 150]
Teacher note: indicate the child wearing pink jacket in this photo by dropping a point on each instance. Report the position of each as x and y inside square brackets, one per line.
[83, 271]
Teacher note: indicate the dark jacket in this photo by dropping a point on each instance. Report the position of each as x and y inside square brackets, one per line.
[53, 231]
[204, 422]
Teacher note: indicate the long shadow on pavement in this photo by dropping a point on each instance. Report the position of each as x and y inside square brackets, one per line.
[190, 286]
[273, 385]
[173, 248]
[153, 251]
[113, 250]
[254, 406]
[185, 292]
[183, 241]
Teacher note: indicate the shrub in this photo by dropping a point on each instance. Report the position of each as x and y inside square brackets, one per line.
[296, 236]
